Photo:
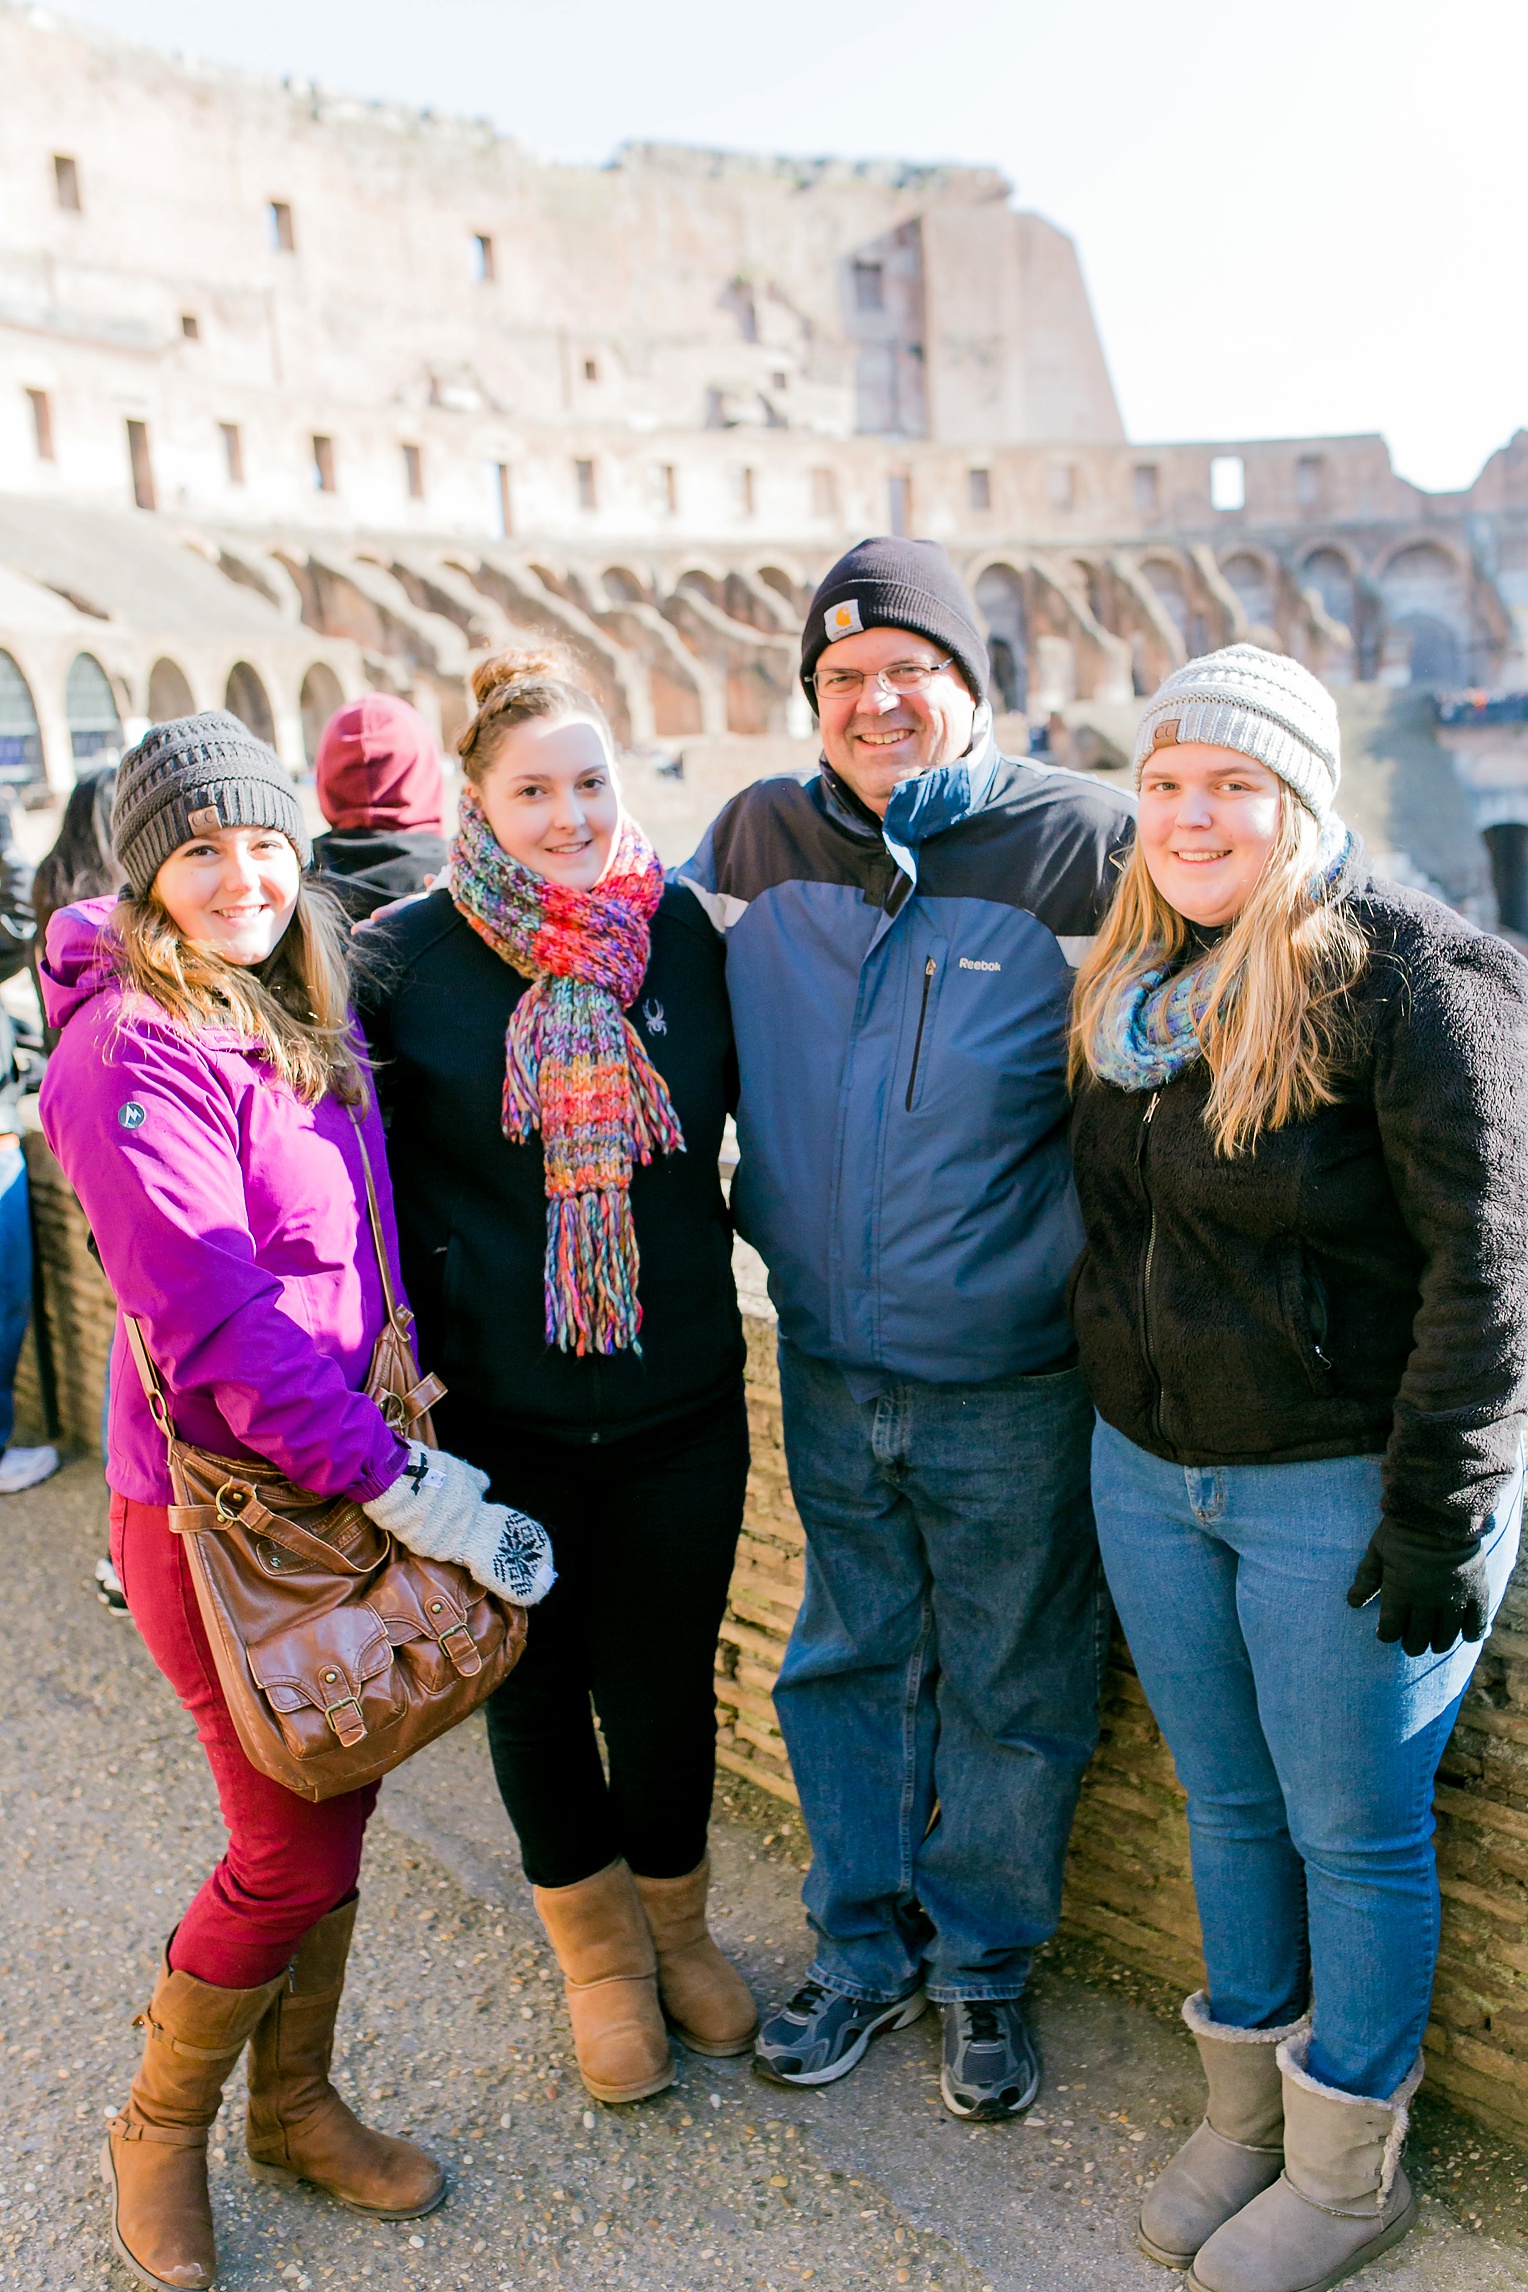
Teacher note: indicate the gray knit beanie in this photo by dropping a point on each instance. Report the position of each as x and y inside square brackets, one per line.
[190, 776]
[1263, 705]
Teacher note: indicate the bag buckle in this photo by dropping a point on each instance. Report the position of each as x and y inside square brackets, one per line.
[350, 1728]
[460, 1646]
[233, 1498]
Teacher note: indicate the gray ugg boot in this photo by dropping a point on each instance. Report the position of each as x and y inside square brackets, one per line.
[1341, 2200]
[1237, 2149]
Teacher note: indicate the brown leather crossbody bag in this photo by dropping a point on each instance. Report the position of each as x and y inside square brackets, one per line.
[339, 1651]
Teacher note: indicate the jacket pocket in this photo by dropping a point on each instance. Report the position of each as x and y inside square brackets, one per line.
[1306, 1318]
[928, 981]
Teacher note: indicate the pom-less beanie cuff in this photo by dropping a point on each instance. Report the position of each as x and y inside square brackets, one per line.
[887, 583]
[1263, 705]
[194, 775]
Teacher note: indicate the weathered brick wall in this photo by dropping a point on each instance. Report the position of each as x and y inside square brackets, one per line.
[1128, 1881]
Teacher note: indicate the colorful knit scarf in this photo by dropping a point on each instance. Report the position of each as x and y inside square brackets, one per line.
[575, 1067]
[1149, 1031]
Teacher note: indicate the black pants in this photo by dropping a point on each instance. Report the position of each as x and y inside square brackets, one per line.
[644, 1532]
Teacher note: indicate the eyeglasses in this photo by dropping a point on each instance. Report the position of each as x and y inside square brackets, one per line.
[901, 677]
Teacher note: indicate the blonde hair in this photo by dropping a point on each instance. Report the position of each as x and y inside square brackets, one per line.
[296, 1008]
[1272, 1036]
[511, 687]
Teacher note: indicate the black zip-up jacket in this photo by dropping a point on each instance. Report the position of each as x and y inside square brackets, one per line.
[435, 1001]
[1356, 1283]
[365, 868]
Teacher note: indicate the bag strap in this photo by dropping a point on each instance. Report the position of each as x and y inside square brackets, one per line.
[375, 1215]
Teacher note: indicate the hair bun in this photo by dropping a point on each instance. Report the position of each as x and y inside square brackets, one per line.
[533, 664]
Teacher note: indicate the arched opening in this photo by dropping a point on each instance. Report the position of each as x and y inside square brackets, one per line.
[20, 739]
[321, 695]
[95, 729]
[1000, 601]
[169, 693]
[1329, 574]
[1424, 650]
[246, 699]
[1427, 614]
[622, 587]
[1250, 582]
[774, 578]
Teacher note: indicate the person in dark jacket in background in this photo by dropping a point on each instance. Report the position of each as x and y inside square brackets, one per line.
[20, 1467]
[901, 931]
[380, 789]
[568, 1251]
[1301, 1148]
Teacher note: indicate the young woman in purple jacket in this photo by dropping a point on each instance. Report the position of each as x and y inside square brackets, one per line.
[207, 1106]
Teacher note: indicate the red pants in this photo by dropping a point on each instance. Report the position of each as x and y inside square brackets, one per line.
[289, 1861]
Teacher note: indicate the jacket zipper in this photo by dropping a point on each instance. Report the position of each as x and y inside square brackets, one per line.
[929, 968]
[1151, 1251]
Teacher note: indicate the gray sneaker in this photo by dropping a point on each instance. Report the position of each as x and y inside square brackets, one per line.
[990, 2067]
[821, 2035]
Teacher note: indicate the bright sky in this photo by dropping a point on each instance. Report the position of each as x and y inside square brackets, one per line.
[1294, 218]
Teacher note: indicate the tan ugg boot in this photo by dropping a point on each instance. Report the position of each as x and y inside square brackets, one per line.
[1236, 2150]
[1341, 2200]
[298, 2128]
[610, 1974]
[155, 2158]
[706, 1999]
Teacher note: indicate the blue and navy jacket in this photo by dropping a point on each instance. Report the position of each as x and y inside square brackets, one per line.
[899, 995]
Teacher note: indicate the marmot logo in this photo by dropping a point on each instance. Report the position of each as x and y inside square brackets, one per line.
[966, 963]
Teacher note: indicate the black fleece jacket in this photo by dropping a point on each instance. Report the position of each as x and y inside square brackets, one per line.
[1358, 1282]
[367, 867]
[435, 1001]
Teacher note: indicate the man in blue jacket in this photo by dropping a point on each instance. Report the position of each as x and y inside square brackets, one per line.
[901, 933]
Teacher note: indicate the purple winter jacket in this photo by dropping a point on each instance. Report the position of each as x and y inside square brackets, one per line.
[231, 1219]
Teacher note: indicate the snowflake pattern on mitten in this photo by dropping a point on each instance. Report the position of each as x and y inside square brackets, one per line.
[522, 1560]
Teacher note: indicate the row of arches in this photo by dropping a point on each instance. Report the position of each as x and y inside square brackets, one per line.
[95, 708]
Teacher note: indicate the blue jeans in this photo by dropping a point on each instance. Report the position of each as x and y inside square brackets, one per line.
[947, 1657]
[1307, 1748]
[15, 1279]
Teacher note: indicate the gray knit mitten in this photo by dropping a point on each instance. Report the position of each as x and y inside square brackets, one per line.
[437, 1508]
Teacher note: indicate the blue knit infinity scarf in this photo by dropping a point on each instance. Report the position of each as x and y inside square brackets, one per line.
[1149, 1030]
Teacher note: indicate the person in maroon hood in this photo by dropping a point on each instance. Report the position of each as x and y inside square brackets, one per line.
[380, 787]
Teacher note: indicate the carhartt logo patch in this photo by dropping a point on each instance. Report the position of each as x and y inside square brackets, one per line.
[843, 620]
[132, 1116]
[203, 820]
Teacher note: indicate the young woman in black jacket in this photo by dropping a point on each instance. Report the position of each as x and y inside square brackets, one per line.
[1301, 1147]
[554, 1058]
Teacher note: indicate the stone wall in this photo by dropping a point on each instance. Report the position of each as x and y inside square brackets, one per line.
[1128, 1883]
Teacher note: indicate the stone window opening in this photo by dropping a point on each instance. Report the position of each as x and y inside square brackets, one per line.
[1228, 482]
[1310, 480]
[503, 499]
[483, 267]
[591, 369]
[744, 490]
[141, 463]
[1061, 485]
[323, 465]
[779, 381]
[824, 493]
[20, 737]
[66, 183]
[583, 479]
[246, 698]
[233, 452]
[283, 236]
[666, 488]
[90, 709]
[869, 286]
[899, 506]
[190, 326]
[1145, 489]
[980, 484]
[413, 473]
[42, 424]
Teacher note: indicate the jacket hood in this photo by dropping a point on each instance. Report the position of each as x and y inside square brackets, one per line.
[379, 766]
[80, 960]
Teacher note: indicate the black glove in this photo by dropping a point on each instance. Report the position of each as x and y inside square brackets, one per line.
[1429, 1593]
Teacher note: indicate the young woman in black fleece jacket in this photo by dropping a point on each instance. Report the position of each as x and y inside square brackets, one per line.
[631, 1443]
[1301, 1147]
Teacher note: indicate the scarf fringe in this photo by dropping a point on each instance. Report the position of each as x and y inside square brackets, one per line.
[591, 1273]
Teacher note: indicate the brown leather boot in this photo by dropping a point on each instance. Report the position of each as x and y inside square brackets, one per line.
[298, 2128]
[610, 1975]
[155, 2158]
[707, 2001]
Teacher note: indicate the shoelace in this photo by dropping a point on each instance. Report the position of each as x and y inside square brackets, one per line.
[986, 2022]
[804, 2004]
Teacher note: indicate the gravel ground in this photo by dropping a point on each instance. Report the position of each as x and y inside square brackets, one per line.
[453, 2029]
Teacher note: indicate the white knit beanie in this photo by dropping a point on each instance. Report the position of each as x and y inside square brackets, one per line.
[1263, 705]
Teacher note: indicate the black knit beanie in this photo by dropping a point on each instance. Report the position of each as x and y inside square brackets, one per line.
[886, 583]
[193, 775]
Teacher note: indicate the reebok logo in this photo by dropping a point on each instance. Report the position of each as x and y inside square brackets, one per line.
[968, 963]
